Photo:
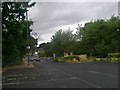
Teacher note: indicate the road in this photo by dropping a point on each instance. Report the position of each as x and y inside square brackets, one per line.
[49, 74]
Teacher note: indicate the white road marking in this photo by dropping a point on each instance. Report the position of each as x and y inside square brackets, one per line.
[8, 83]
[72, 77]
[11, 76]
[94, 85]
[17, 83]
[106, 74]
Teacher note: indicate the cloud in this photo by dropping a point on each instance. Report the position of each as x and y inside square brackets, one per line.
[48, 17]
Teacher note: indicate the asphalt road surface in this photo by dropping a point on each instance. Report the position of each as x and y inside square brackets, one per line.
[49, 74]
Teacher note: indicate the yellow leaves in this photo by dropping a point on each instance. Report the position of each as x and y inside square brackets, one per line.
[83, 58]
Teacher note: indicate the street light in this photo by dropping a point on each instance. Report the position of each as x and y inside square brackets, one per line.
[28, 46]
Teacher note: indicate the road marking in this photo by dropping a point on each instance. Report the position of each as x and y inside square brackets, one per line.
[8, 83]
[94, 85]
[12, 75]
[72, 77]
[17, 83]
[103, 73]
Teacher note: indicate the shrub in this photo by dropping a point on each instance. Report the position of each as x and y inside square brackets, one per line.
[114, 55]
[83, 58]
[74, 60]
[71, 57]
[97, 59]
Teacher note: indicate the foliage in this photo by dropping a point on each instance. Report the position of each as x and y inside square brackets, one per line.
[62, 42]
[108, 59]
[33, 44]
[83, 58]
[114, 55]
[100, 37]
[73, 58]
[41, 53]
[47, 49]
[14, 32]
[96, 39]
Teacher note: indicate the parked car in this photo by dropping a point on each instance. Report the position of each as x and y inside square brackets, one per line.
[30, 59]
[37, 59]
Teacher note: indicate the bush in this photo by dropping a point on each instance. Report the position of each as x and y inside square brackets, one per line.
[71, 57]
[113, 59]
[59, 59]
[101, 59]
[83, 58]
[74, 58]
[97, 59]
[114, 55]
[11, 60]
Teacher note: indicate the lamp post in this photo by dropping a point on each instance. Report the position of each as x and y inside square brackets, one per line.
[28, 46]
[27, 31]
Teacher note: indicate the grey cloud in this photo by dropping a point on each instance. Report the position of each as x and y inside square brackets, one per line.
[48, 15]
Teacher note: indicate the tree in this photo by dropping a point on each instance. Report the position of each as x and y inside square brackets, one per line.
[14, 32]
[62, 42]
[100, 37]
[46, 47]
[96, 38]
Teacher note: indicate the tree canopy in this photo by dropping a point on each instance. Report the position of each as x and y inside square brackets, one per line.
[14, 32]
[96, 38]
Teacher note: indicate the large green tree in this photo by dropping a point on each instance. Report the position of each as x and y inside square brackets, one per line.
[62, 42]
[96, 38]
[100, 37]
[14, 31]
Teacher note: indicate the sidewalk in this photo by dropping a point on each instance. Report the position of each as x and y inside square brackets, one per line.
[0, 70]
[21, 66]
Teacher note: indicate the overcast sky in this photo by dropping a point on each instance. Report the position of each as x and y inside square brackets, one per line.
[48, 17]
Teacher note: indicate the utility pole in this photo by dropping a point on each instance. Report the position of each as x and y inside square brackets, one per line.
[27, 47]
[27, 31]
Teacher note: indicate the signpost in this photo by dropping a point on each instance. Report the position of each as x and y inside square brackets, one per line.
[28, 54]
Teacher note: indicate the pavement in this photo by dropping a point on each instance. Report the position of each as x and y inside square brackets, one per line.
[49, 74]
[21, 66]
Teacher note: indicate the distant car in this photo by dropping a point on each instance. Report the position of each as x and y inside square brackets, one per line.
[37, 59]
[48, 58]
[31, 60]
